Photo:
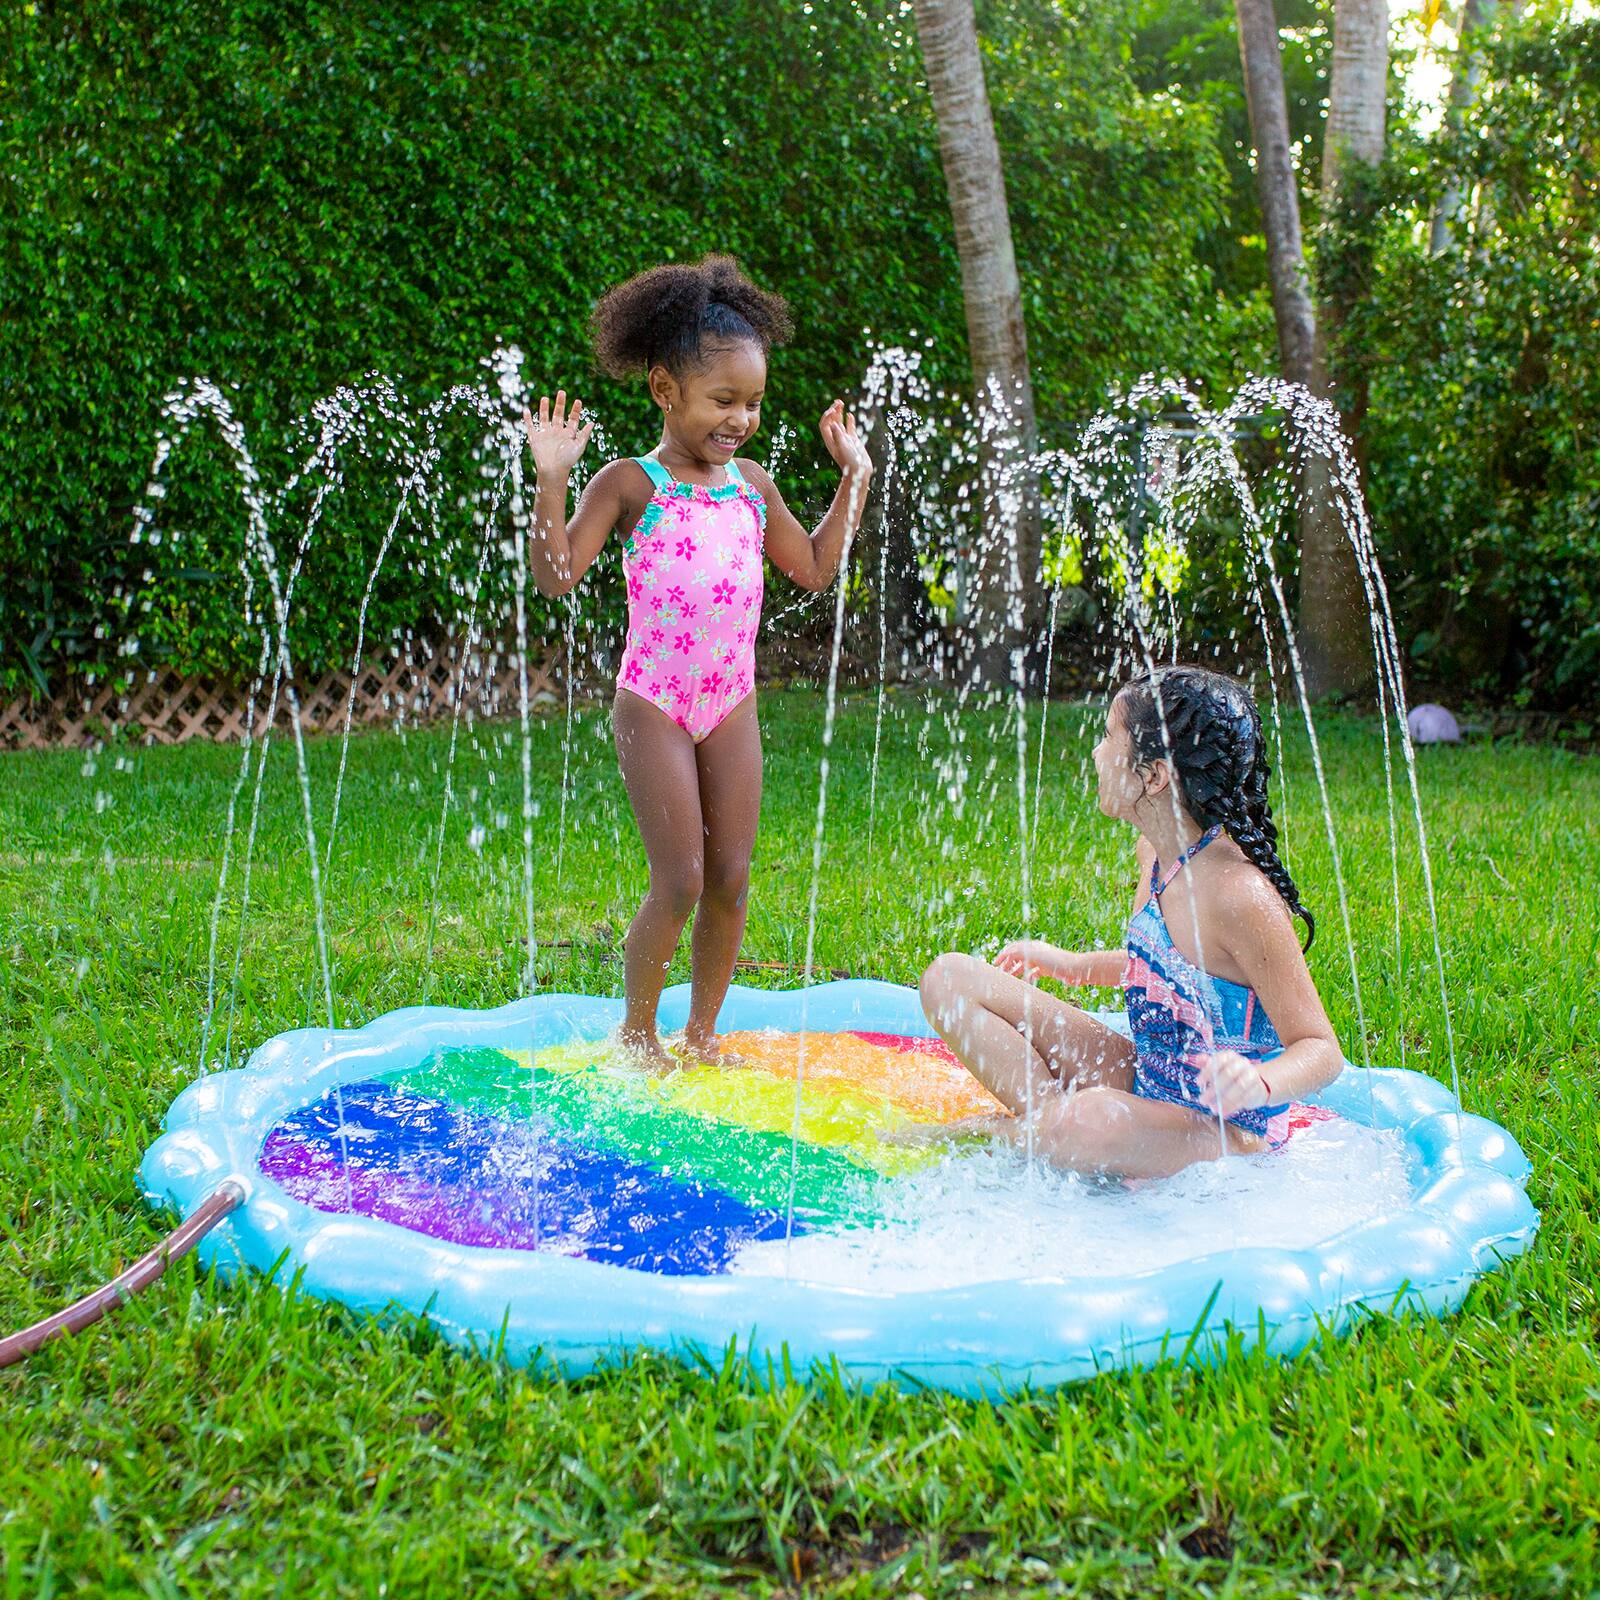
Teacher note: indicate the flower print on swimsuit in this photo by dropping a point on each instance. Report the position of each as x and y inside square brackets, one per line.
[698, 607]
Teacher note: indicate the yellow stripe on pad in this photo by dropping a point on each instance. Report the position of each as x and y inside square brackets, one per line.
[925, 1086]
[852, 1090]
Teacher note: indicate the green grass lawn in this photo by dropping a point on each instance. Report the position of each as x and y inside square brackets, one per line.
[242, 1440]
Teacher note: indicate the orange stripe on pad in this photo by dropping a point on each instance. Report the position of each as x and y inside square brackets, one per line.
[920, 1077]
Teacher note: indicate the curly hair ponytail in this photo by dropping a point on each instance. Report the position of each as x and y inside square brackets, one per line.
[1208, 727]
[665, 316]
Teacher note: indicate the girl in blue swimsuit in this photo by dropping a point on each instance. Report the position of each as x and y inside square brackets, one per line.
[1227, 1028]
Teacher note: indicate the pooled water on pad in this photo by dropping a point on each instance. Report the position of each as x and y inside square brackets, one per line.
[980, 1215]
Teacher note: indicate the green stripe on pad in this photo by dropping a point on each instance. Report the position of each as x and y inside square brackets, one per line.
[835, 1116]
[625, 1111]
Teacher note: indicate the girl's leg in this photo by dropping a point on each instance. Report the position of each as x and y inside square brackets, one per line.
[1098, 1124]
[1022, 1045]
[1108, 1131]
[729, 762]
[658, 768]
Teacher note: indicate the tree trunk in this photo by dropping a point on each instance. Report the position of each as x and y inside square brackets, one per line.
[1292, 309]
[1476, 17]
[1331, 622]
[1353, 147]
[1357, 88]
[1005, 587]
[1338, 651]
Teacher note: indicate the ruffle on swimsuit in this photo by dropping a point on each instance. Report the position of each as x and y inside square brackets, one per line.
[661, 501]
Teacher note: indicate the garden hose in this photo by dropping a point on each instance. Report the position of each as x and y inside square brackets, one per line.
[226, 1197]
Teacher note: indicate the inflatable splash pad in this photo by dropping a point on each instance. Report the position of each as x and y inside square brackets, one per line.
[506, 1176]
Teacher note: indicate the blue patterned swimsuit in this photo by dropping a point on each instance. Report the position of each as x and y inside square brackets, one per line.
[1179, 1015]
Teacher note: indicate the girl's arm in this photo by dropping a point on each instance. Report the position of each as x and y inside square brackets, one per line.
[560, 552]
[811, 559]
[1032, 959]
[1259, 937]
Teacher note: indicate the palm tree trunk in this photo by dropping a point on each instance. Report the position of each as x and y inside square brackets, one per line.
[1331, 621]
[1338, 650]
[1357, 113]
[1357, 99]
[1005, 584]
[1292, 308]
[1476, 17]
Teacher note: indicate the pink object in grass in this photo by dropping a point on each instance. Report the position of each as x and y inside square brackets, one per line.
[1431, 724]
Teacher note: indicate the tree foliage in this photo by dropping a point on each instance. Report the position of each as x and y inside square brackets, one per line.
[285, 197]
[1483, 464]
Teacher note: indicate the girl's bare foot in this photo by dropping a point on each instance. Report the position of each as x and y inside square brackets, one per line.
[707, 1051]
[646, 1050]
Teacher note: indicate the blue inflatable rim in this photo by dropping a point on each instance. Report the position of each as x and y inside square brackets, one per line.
[1468, 1211]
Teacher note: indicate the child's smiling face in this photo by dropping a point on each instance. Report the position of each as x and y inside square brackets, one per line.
[712, 411]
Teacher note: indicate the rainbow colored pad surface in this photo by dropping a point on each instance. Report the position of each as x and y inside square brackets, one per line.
[583, 1156]
[1467, 1208]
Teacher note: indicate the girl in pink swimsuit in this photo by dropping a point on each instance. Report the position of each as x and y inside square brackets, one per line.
[695, 521]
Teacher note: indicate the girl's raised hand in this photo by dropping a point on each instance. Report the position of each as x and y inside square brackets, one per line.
[1028, 959]
[555, 437]
[845, 445]
[1230, 1083]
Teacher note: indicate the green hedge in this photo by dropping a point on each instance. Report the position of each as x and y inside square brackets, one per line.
[284, 196]
[1484, 466]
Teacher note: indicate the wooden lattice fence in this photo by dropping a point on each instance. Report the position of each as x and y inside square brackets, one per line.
[418, 685]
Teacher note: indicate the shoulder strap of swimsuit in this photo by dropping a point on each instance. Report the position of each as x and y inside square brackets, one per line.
[735, 475]
[659, 477]
[1158, 883]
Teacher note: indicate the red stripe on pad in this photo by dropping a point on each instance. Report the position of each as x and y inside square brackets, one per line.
[908, 1044]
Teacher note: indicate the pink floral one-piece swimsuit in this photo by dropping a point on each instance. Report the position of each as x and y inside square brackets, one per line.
[694, 575]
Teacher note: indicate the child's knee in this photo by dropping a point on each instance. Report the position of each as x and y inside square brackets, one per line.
[1092, 1122]
[678, 888]
[944, 982]
[727, 885]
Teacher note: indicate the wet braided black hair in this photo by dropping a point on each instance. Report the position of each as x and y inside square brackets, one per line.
[666, 316]
[1208, 727]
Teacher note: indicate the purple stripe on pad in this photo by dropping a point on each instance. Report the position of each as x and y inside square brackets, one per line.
[439, 1169]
